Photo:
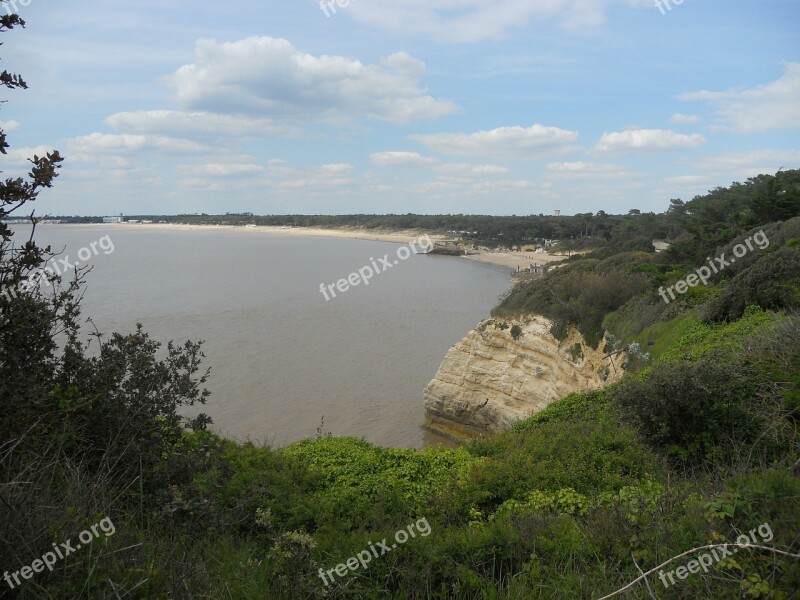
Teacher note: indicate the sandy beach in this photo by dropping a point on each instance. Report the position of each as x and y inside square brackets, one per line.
[523, 260]
[397, 237]
[512, 260]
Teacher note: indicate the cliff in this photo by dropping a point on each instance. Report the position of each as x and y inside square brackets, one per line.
[505, 370]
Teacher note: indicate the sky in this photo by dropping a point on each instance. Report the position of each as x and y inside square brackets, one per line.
[407, 106]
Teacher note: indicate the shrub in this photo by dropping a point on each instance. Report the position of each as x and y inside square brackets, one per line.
[693, 409]
[772, 283]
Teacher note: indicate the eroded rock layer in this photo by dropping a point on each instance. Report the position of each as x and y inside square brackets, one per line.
[506, 370]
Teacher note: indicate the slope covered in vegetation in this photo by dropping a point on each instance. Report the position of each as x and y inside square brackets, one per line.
[696, 446]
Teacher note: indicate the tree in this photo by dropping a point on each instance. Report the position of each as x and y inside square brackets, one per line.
[112, 414]
[775, 198]
[29, 320]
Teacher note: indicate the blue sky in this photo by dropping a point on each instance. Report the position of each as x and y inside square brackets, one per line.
[425, 106]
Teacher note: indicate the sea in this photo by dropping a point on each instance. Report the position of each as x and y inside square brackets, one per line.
[285, 361]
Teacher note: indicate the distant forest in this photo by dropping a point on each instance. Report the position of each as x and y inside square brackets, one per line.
[632, 231]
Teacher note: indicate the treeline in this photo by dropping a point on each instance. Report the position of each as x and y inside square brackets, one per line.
[712, 218]
[479, 228]
[626, 273]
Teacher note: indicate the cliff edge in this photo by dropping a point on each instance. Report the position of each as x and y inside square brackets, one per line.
[505, 370]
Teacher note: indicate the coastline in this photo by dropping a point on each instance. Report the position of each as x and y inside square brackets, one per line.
[511, 260]
[397, 237]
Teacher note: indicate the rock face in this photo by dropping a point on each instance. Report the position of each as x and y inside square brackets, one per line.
[489, 380]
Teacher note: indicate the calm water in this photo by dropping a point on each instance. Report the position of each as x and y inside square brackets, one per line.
[282, 357]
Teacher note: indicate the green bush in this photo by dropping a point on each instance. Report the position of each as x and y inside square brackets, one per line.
[694, 410]
[587, 456]
[773, 283]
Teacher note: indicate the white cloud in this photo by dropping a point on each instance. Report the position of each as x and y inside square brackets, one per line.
[748, 164]
[9, 126]
[401, 159]
[686, 179]
[588, 170]
[772, 106]
[405, 64]
[634, 140]
[536, 141]
[324, 176]
[466, 21]
[500, 186]
[19, 156]
[469, 170]
[221, 169]
[269, 78]
[193, 124]
[684, 119]
[336, 168]
[106, 142]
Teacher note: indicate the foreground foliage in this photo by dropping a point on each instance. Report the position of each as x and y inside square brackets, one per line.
[696, 445]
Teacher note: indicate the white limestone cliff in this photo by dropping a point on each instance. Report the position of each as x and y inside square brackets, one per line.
[489, 380]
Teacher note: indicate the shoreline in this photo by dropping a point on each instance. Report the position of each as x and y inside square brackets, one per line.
[511, 260]
[397, 237]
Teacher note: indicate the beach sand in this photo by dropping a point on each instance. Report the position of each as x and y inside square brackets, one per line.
[523, 260]
[512, 260]
[398, 237]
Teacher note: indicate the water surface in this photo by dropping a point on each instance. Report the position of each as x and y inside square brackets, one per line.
[282, 357]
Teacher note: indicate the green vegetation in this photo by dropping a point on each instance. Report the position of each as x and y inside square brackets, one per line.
[699, 444]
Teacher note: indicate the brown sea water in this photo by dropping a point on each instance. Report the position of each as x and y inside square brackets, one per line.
[282, 357]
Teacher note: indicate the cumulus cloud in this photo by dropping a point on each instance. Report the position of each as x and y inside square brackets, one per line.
[324, 176]
[747, 164]
[536, 141]
[221, 169]
[400, 159]
[405, 64]
[774, 105]
[505, 185]
[470, 170]
[19, 157]
[684, 119]
[638, 140]
[106, 142]
[194, 124]
[269, 78]
[686, 179]
[467, 21]
[9, 126]
[589, 170]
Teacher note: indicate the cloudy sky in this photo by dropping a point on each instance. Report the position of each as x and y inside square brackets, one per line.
[425, 106]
